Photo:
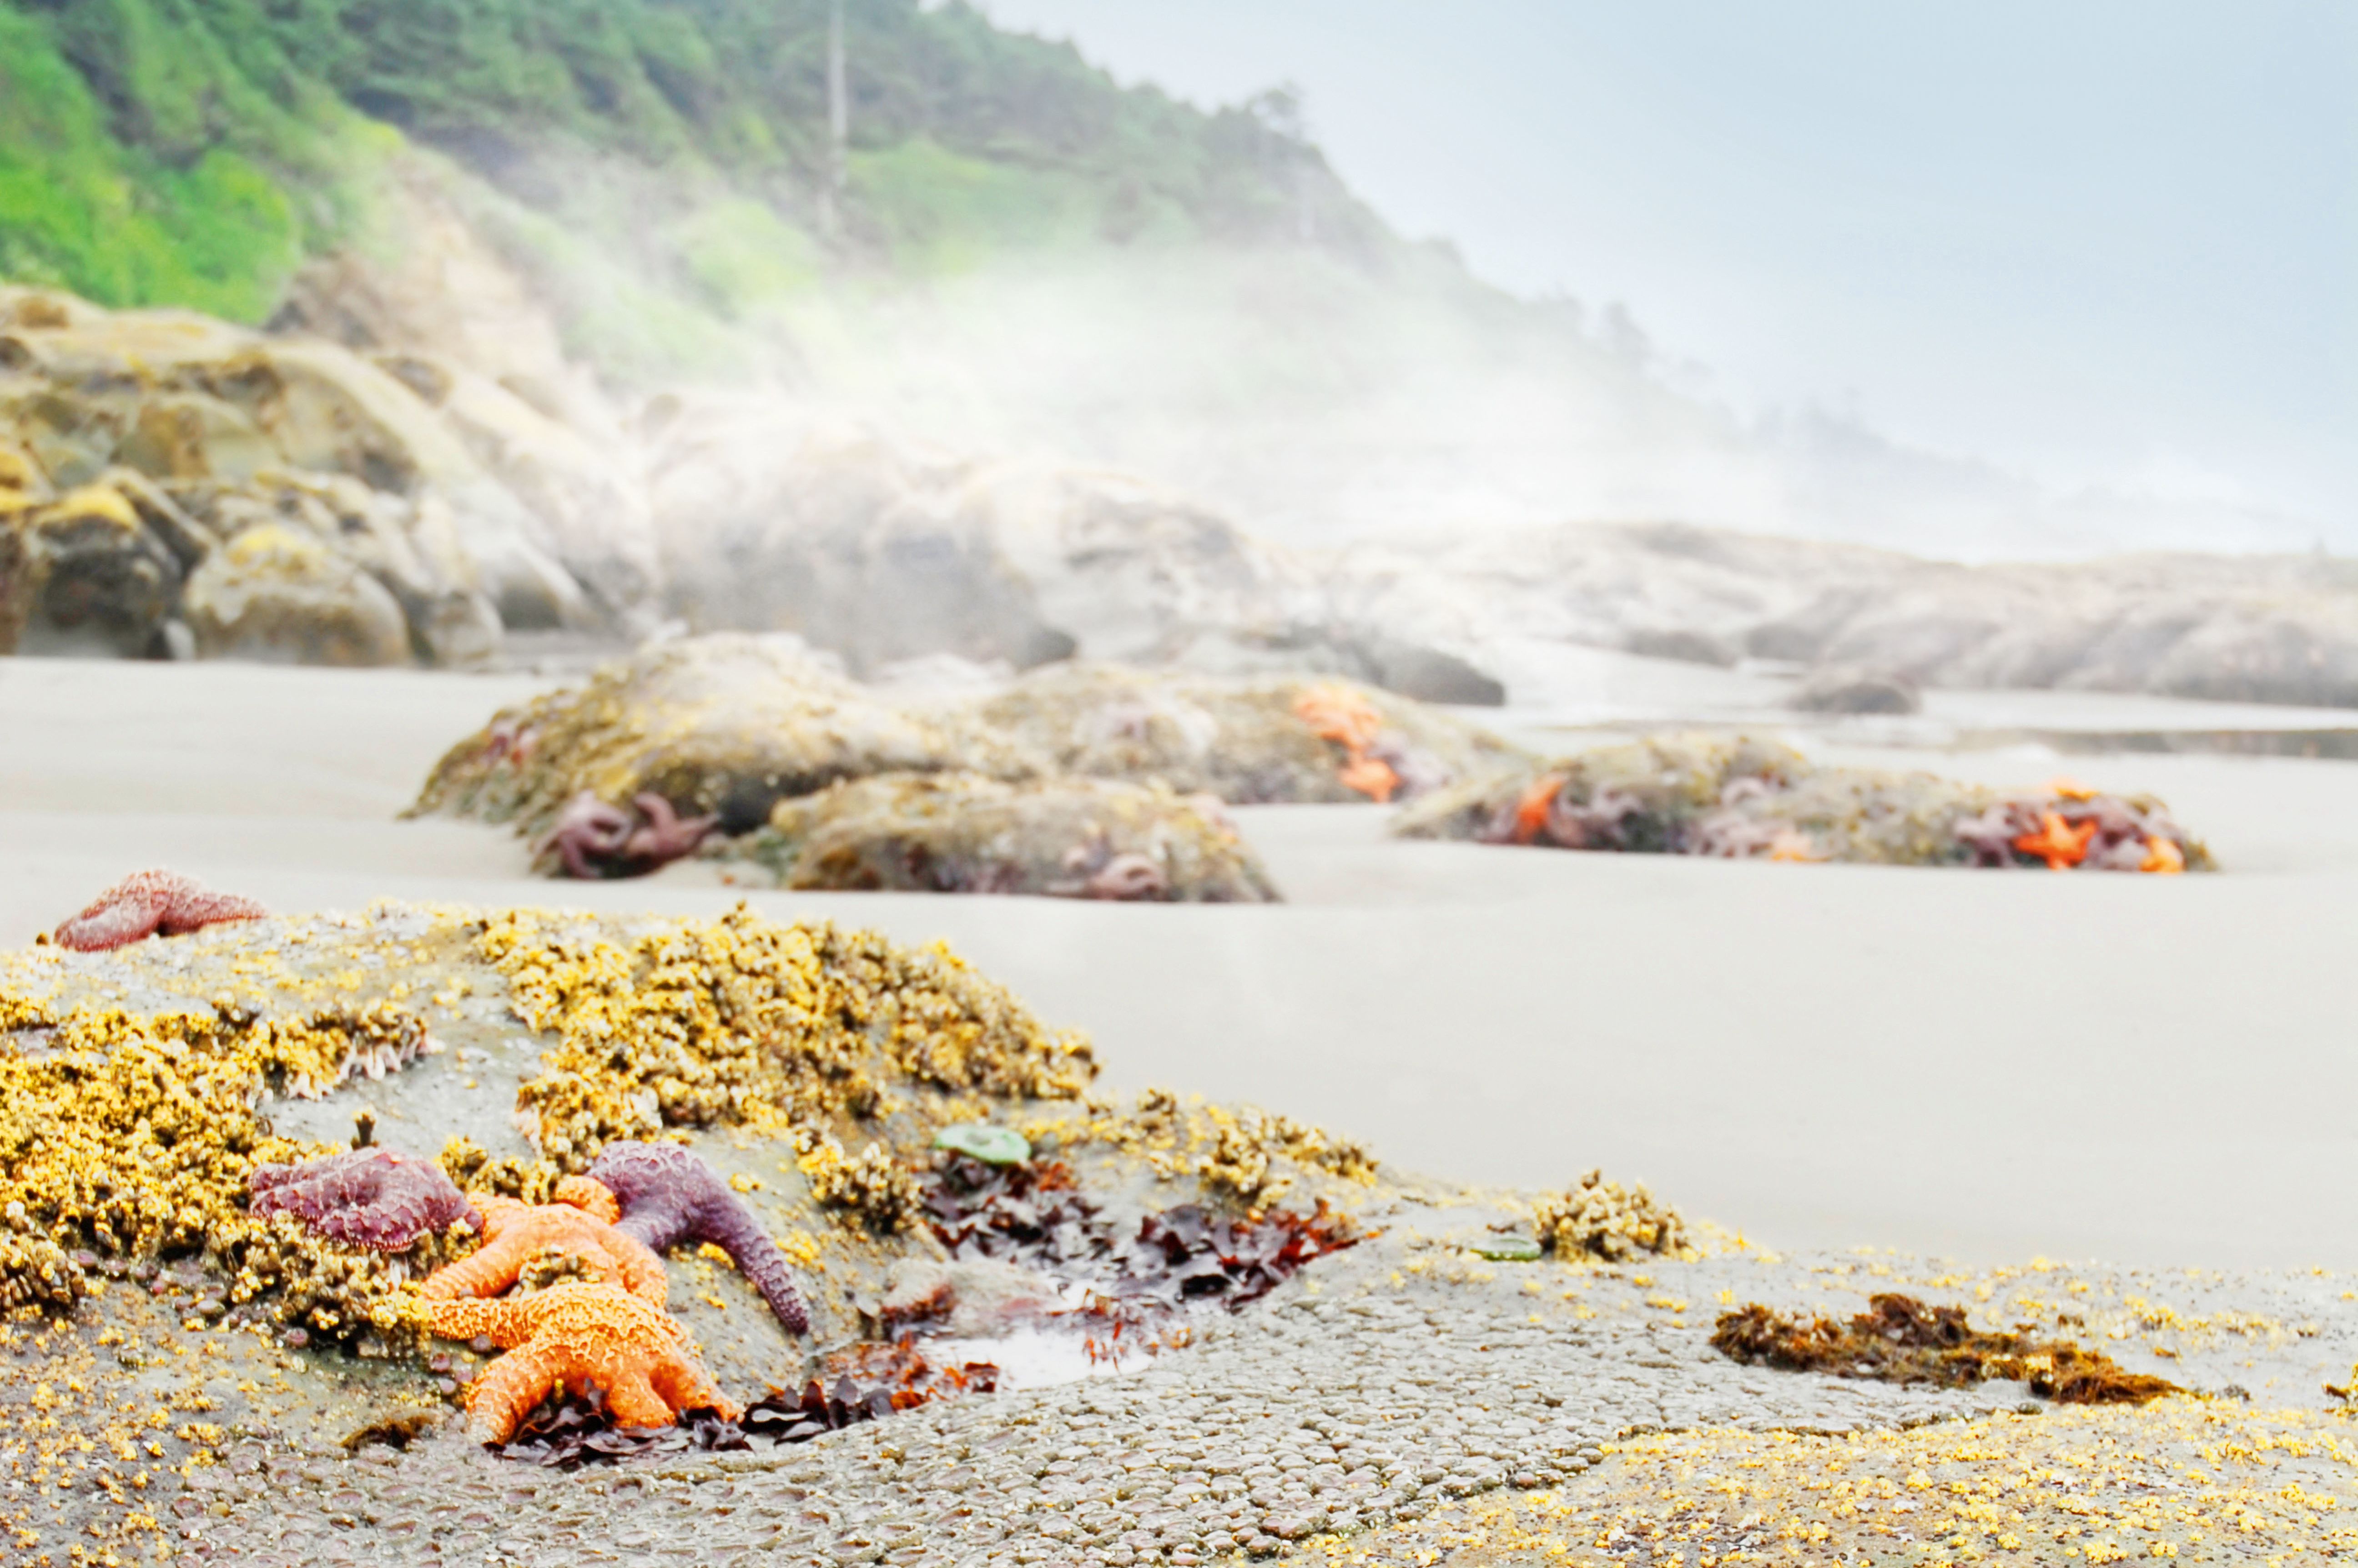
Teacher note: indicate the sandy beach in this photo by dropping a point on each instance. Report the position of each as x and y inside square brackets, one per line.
[1985, 1065]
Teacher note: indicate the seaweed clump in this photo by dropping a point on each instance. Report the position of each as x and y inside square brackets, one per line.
[1899, 1339]
[134, 1140]
[1602, 1221]
[1036, 1215]
[747, 1021]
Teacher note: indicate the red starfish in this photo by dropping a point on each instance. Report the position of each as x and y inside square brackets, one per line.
[151, 903]
[2057, 842]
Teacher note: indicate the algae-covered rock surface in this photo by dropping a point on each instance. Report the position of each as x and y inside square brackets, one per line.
[1251, 740]
[1081, 1330]
[1090, 779]
[1742, 798]
[959, 832]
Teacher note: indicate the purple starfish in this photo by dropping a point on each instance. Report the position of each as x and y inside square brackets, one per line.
[669, 1196]
[376, 1198]
[595, 839]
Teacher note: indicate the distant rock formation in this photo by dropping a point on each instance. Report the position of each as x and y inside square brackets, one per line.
[881, 552]
[136, 447]
[2279, 628]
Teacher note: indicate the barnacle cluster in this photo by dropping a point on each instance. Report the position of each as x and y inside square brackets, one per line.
[872, 1186]
[135, 1138]
[472, 1167]
[1229, 1149]
[744, 1020]
[1604, 1221]
[39, 1274]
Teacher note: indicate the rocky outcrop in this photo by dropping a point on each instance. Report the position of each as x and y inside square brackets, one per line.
[884, 553]
[2261, 629]
[275, 595]
[468, 506]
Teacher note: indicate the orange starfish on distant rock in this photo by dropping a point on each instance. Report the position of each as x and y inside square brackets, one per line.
[1531, 809]
[573, 1338]
[514, 1234]
[2069, 788]
[2059, 843]
[1337, 713]
[2162, 856]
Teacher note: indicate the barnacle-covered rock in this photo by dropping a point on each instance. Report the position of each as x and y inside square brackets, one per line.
[872, 1186]
[959, 832]
[1245, 740]
[137, 1137]
[1604, 1221]
[743, 1019]
[1746, 798]
[724, 725]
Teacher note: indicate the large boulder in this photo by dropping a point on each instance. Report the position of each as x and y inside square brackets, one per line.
[96, 578]
[276, 594]
[497, 500]
[724, 726]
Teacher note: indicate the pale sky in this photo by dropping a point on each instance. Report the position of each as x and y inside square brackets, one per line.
[2094, 240]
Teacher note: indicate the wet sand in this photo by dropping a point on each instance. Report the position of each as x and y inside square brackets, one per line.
[1991, 1066]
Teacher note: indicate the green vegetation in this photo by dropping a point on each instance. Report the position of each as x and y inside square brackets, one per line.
[191, 152]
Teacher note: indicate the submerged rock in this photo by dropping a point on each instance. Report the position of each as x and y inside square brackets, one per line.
[957, 832]
[1740, 798]
[1247, 741]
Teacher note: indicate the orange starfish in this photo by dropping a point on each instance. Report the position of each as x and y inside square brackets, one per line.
[1531, 809]
[1337, 713]
[2057, 842]
[570, 1337]
[2163, 857]
[514, 1233]
[2068, 788]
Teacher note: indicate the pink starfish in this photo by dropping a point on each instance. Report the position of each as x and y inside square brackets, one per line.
[151, 903]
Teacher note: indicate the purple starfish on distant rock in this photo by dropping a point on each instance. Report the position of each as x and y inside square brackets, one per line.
[669, 1196]
[377, 1198]
[594, 839]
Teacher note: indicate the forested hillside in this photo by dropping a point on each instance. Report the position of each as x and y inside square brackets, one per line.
[194, 151]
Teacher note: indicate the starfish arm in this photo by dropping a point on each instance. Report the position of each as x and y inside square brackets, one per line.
[642, 1271]
[498, 1401]
[195, 911]
[737, 1233]
[683, 1384]
[107, 925]
[631, 1397]
[491, 1270]
[591, 1198]
[501, 1322]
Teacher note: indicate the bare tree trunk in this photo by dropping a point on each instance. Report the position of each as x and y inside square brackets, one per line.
[838, 126]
